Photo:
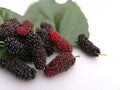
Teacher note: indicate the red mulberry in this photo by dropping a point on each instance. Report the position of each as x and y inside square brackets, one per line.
[18, 68]
[25, 28]
[27, 24]
[87, 46]
[22, 31]
[59, 64]
[60, 42]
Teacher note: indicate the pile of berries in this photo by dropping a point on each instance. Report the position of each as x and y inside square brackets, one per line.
[23, 43]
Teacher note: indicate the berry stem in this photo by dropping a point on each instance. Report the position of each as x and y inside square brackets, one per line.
[34, 28]
[77, 56]
[1, 42]
[103, 54]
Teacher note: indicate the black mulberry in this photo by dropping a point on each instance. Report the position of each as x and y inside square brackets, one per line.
[11, 24]
[18, 68]
[36, 49]
[87, 46]
[9, 28]
[13, 47]
[59, 64]
[46, 26]
[48, 45]
[39, 57]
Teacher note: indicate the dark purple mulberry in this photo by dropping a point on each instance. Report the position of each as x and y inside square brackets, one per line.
[59, 64]
[36, 49]
[87, 46]
[48, 45]
[39, 57]
[18, 68]
[46, 26]
[10, 24]
[13, 47]
[9, 28]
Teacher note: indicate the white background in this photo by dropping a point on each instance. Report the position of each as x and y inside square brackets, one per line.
[102, 73]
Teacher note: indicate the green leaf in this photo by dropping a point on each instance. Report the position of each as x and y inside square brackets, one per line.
[6, 14]
[73, 22]
[67, 18]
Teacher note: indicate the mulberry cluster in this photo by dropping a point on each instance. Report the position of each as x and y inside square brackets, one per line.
[87, 46]
[59, 64]
[23, 45]
[18, 68]
[60, 42]
[48, 45]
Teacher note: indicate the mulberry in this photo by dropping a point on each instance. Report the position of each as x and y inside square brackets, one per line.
[48, 45]
[59, 64]
[22, 31]
[27, 24]
[10, 24]
[9, 28]
[39, 57]
[60, 42]
[13, 47]
[4, 34]
[25, 28]
[36, 49]
[46, 26]
[33, 40]
[87, 46]
[18, 68]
